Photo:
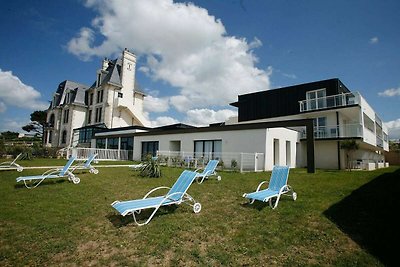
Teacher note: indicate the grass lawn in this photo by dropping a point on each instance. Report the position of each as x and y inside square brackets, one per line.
[340, 218]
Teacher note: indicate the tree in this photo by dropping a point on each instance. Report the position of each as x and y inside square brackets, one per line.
[37, 124]
[9, 135]
[349, 146]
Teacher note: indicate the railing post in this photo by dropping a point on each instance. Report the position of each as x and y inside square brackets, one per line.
[255, 162]
[241, 162]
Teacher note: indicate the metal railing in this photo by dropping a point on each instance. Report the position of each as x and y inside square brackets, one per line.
[339, 100]
[234, 161]
[336, 131]
[102, 154]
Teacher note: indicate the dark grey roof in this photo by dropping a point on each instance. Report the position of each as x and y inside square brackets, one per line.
[77, 93]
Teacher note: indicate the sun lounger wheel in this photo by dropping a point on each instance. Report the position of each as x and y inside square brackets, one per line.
[20, 169]
[219, 178]
[76, 180]
[294, 195]
[196, 207]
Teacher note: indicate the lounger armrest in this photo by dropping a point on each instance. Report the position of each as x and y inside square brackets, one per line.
[5, 163]
[196, 170]
[259, 186]
[155, 189]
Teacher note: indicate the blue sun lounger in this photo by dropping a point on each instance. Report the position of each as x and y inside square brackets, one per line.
[277, 187]
[33, 181]
[176, 195]
[208, 171]
[87, 165]
[9, 165]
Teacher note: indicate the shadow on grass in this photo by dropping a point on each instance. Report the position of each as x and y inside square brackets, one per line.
[368, 216]
[119, 221]
[44, 183]
[258, 205]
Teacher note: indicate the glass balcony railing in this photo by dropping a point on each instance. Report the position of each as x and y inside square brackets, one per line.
[336, 131]
[340, 100]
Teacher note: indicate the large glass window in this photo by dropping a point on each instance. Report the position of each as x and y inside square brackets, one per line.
[320, 130]
[112, 143]
[208, 149]
[127, 144]
[149, 148]
[85, 135]
[101, 143]
[316, 99]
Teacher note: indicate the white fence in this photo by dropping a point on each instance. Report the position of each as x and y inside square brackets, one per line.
[102, 154]
[250, 162]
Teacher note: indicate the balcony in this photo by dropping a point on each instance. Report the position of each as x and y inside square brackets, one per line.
[336, 131]
[333, 101]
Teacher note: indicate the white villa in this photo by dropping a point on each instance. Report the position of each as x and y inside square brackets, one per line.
[113, 101]
[270, 128]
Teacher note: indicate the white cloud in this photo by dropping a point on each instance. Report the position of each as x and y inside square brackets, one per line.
[390, 92]
[374, 40]
[163, 120]
[203, 117]
[155, 104]
[183, 45]
[394, 129]
[13, 92]
[13, 125]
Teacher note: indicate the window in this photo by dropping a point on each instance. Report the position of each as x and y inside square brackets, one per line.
[98, 114]
[98, 79]
[100, 96]
[320, 129]
[209, 149]
[91, 99]
[385, 137]
[120, 95]
[368, 123]
[66, 115]
[64, 137]
[50, 136]
[101, 143]
[112, 143]
[149, 148]
[90, 117]
[316, 99]
[85, 135]
[51, 120]
[127, 144]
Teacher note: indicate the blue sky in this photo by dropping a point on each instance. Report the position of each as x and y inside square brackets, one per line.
[193, 59]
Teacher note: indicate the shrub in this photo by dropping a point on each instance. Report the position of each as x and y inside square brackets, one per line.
[151, 168]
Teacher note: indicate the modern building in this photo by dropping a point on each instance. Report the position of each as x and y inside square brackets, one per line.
[338, 115]
[78, 111]
[270, 125]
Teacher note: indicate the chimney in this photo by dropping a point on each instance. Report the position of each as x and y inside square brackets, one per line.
[104, 66]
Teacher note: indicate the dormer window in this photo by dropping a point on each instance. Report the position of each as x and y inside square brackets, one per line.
[98, 79]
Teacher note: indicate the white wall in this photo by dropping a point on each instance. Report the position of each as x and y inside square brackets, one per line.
[239, 141]
[326, 154]
[282, 135]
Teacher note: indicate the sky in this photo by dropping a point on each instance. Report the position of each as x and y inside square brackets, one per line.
[194, 58]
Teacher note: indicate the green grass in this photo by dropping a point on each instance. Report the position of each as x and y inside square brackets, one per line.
[60, 223]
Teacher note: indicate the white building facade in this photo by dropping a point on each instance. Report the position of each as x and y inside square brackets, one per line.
[338, 115]
[113, 101]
